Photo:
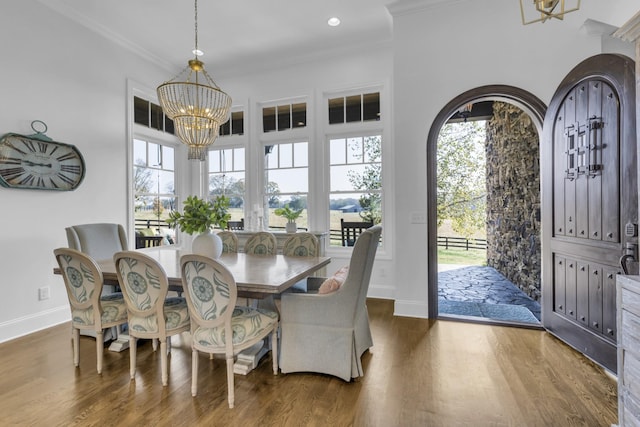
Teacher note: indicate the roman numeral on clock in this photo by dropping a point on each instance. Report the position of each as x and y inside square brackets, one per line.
[12, 173]
[75, 169]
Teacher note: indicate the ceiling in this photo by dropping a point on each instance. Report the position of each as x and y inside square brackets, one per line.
[233, 34]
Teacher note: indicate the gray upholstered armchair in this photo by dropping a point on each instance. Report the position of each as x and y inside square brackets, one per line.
[100, 241]
[328, 333]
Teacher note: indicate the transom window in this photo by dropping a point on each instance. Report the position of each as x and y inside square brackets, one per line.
[233, 126]
[354, 108]
[284, 117]
[148, 114]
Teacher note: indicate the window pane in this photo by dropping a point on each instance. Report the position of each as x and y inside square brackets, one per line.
[269, 119]
[373, 149]
[140, 111]
[226, 159]
[167, 158]
[300, 150]
[290, 180]
[338, 152]
[238, 159]
[166, 181]
[354, 108]
[354, 152]
[284, 117]
[168, 125]
[154, 155]
[157, 117]
[286, 155]
[336, 111]
[272, 156]
[139, 152]
[299, 115]
[225, 128]
[214, 161]
[371, 106]
[237, 123]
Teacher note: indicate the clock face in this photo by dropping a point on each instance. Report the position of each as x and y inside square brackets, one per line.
[32, 163]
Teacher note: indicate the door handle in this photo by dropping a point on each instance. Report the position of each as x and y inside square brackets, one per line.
[628, 256]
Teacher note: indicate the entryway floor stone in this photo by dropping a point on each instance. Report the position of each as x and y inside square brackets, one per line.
[481, 284]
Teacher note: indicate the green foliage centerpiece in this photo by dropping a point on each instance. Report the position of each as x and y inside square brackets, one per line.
[198, 217]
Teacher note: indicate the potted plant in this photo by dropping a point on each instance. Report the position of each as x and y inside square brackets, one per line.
[198, 217]
[291, 215]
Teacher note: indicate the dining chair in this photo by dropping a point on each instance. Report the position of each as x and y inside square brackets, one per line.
[300, 244]
[329, 332]
[90, 310]
[261, 243]
[218, 325]
[350, 230]
[151, 314]
[229, 241]
[99, 240]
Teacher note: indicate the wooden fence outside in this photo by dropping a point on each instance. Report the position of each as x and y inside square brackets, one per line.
[461, 242]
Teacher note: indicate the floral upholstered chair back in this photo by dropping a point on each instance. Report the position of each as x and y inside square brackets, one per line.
[145, 286]
[210, 290]
[301, 244]
[229, 241]
[83, 282]
[261, 243]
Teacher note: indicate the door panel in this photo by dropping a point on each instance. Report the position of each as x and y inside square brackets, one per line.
[589, 190]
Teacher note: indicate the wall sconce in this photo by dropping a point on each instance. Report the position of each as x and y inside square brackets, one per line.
[543, 10]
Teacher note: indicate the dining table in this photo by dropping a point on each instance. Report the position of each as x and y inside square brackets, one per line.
[258, 277]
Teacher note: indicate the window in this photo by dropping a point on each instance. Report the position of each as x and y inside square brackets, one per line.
[148, 114]
[355, 169]
[287, 181]
[284, 117]
[233, 126]
[354, 108]
[227, 176]
[154, 187]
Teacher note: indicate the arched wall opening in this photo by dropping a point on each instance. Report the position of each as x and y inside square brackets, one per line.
[524, 100]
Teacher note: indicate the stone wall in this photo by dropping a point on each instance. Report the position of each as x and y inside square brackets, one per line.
[513, 198]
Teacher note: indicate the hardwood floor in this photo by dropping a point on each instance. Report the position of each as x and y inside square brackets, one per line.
[419, 373]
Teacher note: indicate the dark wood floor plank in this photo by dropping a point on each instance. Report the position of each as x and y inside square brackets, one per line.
[419, 373]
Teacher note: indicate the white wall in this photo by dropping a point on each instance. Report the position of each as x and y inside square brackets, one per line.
[442, 49]
[56, 71]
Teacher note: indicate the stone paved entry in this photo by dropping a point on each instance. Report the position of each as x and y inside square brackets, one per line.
[481, 284]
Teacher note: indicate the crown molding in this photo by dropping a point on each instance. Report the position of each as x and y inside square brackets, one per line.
[406, 7]
[65, 10]
[630, 31]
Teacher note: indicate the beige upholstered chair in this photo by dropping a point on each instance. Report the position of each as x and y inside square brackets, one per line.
[151, 314]
[90, 310]
[261, 243]
[301, 244]
[229, 241]
[211, 296]
[328, 333]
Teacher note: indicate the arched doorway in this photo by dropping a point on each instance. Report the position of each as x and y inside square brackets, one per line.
[527, 102]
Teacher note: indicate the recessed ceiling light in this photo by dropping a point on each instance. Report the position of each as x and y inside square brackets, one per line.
[334, 22]
[197, 52]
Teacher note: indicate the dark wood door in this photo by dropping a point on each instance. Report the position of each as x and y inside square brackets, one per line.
[590, 203]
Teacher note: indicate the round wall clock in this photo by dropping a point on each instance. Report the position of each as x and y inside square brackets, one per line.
[38, 163]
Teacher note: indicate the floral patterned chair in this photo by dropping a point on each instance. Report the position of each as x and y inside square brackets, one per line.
[151, 314]
[301, 244]
[261, 243]
[229, 241]
[90, 310]
[211, 295]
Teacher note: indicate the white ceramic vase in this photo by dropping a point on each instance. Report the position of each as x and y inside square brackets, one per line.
[291, 227]
[208, 244]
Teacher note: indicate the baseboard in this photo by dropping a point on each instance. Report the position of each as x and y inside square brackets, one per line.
[26, 325]
[411, 309]
[381, 292]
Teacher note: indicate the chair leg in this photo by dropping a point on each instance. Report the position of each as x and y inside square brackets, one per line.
[99, 349]
[133, 349]
[163, 362]
[154, 343]
[194, 372]
[75, 340]
[230, 385]
[274, 350]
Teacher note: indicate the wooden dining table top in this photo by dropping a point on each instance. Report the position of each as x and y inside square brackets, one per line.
[257, 276]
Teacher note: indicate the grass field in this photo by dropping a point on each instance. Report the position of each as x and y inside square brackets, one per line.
[461, 256]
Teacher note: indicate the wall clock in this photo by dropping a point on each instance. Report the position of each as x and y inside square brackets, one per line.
[36, 162]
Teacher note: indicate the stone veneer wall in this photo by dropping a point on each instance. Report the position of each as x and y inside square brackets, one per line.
[513, 198]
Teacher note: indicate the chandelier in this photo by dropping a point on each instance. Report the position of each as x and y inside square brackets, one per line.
[544, 10]
[195, 103]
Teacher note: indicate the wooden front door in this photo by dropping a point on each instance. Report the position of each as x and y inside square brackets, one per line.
[590, 203]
